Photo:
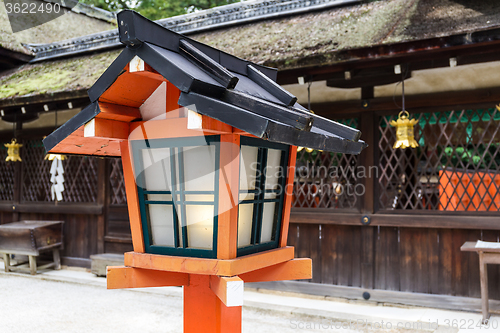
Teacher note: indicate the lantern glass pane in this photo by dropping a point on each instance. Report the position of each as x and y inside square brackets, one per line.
[177, 182]
[159, 197]
[199, 168]
[269, 220]
[157, 169]
[270, 196]
[200, 226]
[273, 168]
[199, 197]
[248, 167]
[247, 196]
[162, 227]
[245, 217]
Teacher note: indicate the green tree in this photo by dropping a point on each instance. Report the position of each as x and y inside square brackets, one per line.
[157, 9]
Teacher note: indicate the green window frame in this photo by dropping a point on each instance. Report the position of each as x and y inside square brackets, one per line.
[178, 195]
[259, 195]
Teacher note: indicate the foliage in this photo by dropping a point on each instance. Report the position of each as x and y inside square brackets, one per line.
[486, 157]
[157, 9]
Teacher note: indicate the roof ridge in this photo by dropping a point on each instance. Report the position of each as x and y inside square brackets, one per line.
[214, 18]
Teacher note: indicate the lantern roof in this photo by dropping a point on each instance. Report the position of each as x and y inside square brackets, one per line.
[216, 84]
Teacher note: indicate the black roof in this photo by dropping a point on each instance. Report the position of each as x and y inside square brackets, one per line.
[237, 92]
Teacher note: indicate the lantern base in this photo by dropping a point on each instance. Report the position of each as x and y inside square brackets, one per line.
[205, 312]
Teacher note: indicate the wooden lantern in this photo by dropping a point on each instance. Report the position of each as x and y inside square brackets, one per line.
[208, 145]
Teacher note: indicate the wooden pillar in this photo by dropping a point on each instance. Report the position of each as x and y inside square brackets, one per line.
[102, 199]
[205, 312]
[368, 203]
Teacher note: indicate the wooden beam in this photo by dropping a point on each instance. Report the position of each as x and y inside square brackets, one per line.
[120, 277]
[132, 198]
[175, 128]
[228, 289]
[202, 266]
[420, 220]
[295, 269]
[51, 208]
[417, 103]
[118, 112]
[300, 120]
[287, 205]
[106, 129]
[213, 68]
[229, 173]
[271, 86]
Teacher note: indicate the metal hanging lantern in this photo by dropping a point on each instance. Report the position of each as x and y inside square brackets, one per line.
[13, 151]
[405, 134]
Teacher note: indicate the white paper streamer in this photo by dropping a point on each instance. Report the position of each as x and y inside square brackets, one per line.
[57, 179]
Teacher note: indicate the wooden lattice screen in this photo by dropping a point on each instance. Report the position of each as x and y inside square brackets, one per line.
[326, 180]
[117, 184]
[80, 176]
[456, 167]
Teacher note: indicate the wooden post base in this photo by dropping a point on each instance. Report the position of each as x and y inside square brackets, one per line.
[205, 312]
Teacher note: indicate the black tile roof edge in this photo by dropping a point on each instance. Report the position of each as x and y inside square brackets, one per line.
[218, 17]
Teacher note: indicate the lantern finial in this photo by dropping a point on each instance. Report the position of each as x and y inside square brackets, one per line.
[404, 131]
[13, 151]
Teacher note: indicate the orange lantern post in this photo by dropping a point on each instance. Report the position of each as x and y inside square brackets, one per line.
[208, 146]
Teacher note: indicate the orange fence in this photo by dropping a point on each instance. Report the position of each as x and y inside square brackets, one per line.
[469, 191]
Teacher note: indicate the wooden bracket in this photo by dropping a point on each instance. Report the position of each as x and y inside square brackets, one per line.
[120, 277]
[228, 289]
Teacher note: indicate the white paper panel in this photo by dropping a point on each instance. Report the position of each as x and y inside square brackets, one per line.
[248, 167]
[267, 222]
[245, 215]
[199, 168]
[157, 170]
[200, 226]
[161, 222]
[273, 169]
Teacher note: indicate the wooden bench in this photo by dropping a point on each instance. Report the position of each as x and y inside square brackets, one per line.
[486, 256]
[31, 238]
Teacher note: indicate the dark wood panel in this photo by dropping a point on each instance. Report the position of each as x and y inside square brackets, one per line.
[387, 259]
[367, 256]
[118, 213]
[433, 258]
[414, 260]
[329, 261]
[118, 227]
[111, 247]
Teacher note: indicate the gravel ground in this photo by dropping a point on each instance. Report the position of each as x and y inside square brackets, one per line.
[38, 306]
[35, 305]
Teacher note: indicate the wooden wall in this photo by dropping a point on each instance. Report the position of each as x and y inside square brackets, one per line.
[423, 260]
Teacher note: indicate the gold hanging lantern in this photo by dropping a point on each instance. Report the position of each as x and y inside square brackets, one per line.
[405, 134]
[13, 151]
